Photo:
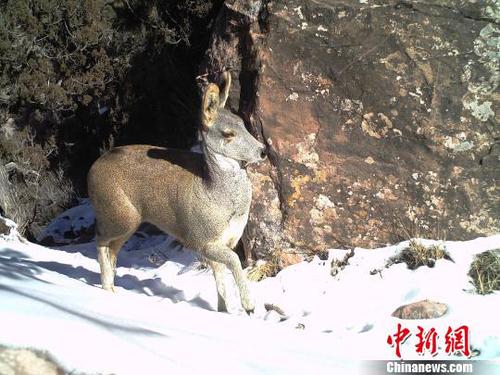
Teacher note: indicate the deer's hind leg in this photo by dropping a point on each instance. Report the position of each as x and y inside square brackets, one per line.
[114, 248]
[110, 238]
[105, 263]
[107, 254]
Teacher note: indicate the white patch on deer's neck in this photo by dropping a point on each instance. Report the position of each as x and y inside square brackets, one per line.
[226, 164]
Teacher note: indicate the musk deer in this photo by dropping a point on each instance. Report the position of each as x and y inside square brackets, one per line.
[203, 200]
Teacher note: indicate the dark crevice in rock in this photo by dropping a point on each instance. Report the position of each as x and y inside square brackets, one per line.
[249, 83]
[248, 79]
[495, 145]
[274, 158]
[456, 12]
[264, 17]
[482, 19]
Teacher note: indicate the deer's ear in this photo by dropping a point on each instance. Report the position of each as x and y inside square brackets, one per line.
[210, 105]
[226, 85]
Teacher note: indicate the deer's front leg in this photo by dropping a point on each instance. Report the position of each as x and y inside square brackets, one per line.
[223, 254]
[218, 270]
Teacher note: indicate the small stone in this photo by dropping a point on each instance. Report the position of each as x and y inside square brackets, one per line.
[369, 160]
[421, 310]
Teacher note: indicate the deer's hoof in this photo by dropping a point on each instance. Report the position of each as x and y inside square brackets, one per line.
[249, 307]
[109, 288]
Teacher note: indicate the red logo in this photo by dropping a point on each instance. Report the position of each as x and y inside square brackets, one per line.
[427, 341]
[455, 341]
[399, 338]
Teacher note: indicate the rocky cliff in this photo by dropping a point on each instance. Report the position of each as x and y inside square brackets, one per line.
[381, 118]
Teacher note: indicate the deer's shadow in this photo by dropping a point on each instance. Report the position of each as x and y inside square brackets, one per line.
[152, 286]
[17, 265]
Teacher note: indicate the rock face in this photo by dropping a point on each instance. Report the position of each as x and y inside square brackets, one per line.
[4, 228]
[381, 119]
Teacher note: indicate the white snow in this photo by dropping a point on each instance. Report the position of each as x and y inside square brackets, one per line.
[162, 317]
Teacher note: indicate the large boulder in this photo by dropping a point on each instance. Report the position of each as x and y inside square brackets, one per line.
[25, 361]
[380, 116]
[421, 310]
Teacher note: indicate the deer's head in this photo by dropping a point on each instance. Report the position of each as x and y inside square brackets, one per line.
[223, 132]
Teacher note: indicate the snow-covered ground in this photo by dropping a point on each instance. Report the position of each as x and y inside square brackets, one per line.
[162, 318]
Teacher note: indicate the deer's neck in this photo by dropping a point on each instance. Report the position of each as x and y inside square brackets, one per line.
[225, 184]
[222, 173]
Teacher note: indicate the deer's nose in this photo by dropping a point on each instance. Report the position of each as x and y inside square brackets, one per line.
[263, 153]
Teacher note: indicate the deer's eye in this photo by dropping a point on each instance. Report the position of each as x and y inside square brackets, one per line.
[228, 134]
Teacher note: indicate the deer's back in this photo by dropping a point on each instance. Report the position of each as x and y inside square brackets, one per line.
[166, 187]
[155, 182]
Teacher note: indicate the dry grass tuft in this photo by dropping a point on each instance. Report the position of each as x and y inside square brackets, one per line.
[339, 264]
[485, 272]
[265, 268]
[417, 255]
